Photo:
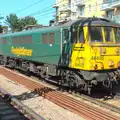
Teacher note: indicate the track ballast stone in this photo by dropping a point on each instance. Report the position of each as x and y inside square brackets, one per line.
[45, 108]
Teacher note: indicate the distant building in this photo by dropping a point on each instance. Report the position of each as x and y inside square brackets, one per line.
[86, 8]
[112, 9]
[75, 9]
[5, 29]
[63, 10]
[29, 27]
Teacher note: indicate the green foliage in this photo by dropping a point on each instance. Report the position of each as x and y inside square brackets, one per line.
[12, 21]
[27, 21]
[1, 29]
[17, 24]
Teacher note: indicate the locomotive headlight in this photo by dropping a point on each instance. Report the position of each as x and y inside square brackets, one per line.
[104, 50]
[117, 50]
[118, 64]
[96, 67]
[111, 63]
[102, 66]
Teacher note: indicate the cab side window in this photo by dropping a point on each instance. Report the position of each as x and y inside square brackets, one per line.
[74, 35]
[117, 34]
[77, 36]
[108, 34]
[81, 35]
[66, 35]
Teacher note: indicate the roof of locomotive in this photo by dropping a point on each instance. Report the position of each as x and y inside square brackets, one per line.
[39, 30]
[82, 22]
[96, 22]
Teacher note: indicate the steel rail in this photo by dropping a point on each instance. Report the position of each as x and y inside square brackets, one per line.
[89, 99]
[22, 108]
[100, 103]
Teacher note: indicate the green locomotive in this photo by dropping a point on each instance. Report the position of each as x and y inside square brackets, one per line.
[37, 50]
[78, 52]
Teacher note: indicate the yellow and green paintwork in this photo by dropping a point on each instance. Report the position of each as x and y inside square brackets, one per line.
[21, 51]
[83, 56]
[95, 56]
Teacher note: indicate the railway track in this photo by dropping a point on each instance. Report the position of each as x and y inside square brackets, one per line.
[8, 112]
[95, 101]
[86, 111]
[12, 109]
[88, 98]
[99, 103]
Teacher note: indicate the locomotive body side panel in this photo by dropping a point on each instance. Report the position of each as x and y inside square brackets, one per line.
[40, 48]
[46, 49]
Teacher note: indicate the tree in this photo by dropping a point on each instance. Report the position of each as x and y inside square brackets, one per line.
[27, 21]
[1, 29]
[17, 24]
[13, 22]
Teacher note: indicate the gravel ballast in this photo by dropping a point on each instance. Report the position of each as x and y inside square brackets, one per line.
[44, 107]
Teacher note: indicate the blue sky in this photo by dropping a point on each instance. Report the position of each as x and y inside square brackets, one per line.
[14, 6]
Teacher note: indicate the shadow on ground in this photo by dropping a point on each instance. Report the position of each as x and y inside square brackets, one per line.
[33, 94]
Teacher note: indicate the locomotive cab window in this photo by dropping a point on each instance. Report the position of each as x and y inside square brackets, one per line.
[96, 34]
[117, 34]
[77, 35]
[108, 34]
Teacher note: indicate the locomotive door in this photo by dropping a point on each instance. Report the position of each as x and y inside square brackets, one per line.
[65, 53]
[78, 48]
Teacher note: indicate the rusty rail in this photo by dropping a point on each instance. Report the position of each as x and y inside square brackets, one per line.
[78, 107]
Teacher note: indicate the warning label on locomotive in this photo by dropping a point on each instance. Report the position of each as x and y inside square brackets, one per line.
[21, 51]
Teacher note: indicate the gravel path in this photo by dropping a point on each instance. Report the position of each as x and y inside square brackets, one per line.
[114, 102]
[45, 108]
